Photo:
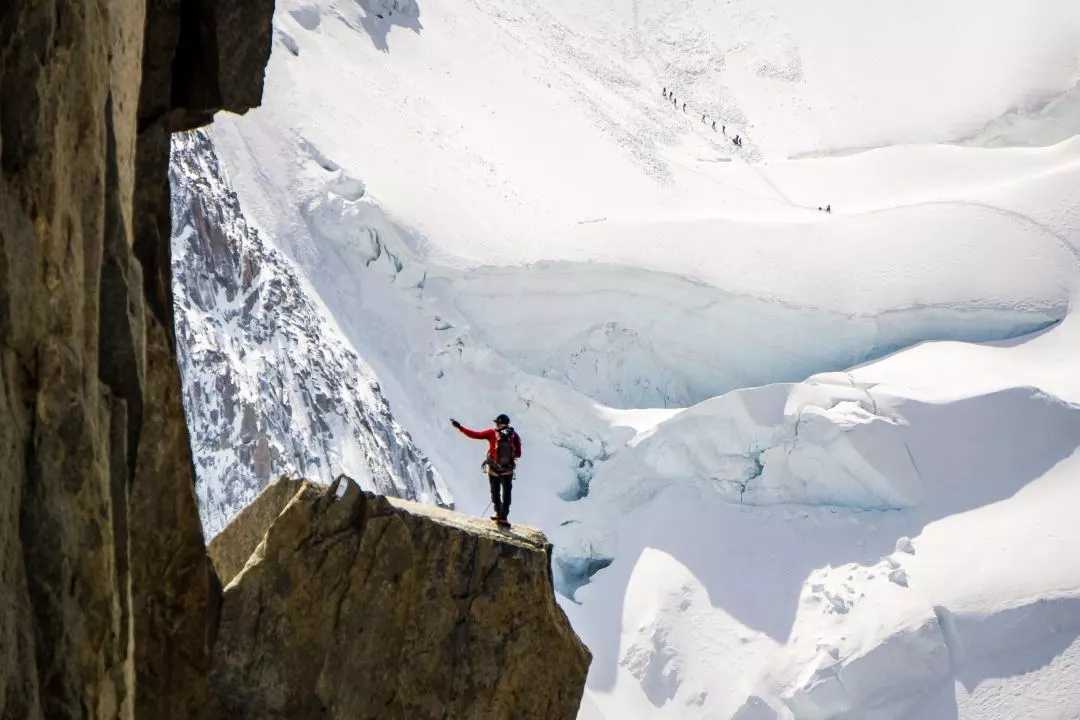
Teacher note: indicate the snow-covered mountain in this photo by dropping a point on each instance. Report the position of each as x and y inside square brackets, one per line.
[895, 541]
[796, 464]
[270, 386]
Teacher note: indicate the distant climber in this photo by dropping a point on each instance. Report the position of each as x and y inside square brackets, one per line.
[702, 117]
[724, 129]
[737, 140]
[504, 449]
[714, 126]
[684, 106]
[665, 92]
[828, 208]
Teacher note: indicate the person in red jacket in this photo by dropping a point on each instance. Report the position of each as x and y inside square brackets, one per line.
[504, 449]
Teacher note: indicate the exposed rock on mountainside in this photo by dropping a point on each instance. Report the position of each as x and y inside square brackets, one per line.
[106, 595]
[354, 605]
[271, 386]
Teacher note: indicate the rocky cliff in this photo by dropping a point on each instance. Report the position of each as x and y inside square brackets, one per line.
[107, 599]
[271, 385]
[351, 605]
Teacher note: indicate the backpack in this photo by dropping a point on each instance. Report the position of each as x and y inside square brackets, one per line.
[504, 451]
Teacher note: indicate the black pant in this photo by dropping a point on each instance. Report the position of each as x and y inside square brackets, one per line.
[505, 484]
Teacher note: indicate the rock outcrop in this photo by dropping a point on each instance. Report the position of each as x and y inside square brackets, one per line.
[107, 599]
[232, 547]
[354, 605]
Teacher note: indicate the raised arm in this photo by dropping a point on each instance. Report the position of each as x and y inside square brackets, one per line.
[469, 432]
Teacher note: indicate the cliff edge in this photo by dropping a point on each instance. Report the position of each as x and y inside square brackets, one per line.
[355, 605]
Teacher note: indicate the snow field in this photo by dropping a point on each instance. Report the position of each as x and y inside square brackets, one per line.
[856, 609]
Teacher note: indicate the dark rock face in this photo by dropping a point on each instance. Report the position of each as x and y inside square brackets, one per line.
[217, 62]
[354, 605]
[107, 599]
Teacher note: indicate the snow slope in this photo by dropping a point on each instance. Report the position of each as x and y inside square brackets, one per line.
[500, 211]
[858, 545]
[270, 386]
[547, 142]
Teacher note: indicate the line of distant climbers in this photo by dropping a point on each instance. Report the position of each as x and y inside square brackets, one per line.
[737, 140]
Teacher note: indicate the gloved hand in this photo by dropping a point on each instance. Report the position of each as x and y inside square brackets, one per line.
[455, 423]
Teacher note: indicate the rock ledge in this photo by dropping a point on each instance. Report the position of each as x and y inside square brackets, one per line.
[354, 605]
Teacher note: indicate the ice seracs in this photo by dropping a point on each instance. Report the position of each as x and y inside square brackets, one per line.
[990, 437]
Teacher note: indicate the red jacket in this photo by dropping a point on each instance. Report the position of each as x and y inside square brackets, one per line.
[492, 436]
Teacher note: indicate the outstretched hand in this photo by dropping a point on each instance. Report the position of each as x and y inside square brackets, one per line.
[455, 423]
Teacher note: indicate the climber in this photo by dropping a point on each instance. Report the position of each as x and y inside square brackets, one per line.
[504, 449]
[665, 92]
[714, 126]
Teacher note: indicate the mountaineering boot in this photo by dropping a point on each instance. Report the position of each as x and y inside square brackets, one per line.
[496, 518]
